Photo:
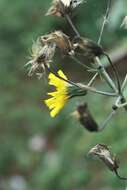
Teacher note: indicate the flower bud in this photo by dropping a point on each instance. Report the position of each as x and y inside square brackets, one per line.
[87, 47]
[86, 119]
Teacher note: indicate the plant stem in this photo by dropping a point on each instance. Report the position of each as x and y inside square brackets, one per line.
[117, 174]
[124, 82]
[72, 25]
[79, 85]
[83, 65]
[92, 80]
[104, 21]
[107, 120]
[115, 70]
[105, 75]
[91, 89]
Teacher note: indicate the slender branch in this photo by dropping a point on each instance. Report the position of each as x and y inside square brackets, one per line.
[107, 120]
[83, 65]
[105, 74]
[117, 174]
[92, 80]
[115, 70]
[72, 25]
[81, 86]
[124, 82]
[104, 21]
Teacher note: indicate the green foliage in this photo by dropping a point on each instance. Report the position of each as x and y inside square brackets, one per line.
[61, 163]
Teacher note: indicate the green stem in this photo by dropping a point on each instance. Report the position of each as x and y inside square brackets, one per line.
[79, 85]
[107, 120]
[124, 82]
[91, 89]
[80, 63]
[72, 25]
[92, 80]
[105, 21]
[105, 75]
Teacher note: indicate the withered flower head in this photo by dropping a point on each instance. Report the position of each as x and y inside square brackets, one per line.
[103, 153]
[87, 47]
[41, 55]
[61, 40]
[86, 119]
[61, 7]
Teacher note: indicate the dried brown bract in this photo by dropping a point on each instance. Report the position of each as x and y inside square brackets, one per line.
[86, 119]
[41, 55]
[55, 9]
[87, 48]
[62, 7]
[103, 152]
[61, 40]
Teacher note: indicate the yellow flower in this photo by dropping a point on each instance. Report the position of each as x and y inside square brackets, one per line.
[58, 97]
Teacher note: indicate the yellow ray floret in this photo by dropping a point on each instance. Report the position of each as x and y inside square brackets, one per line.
[58, 97]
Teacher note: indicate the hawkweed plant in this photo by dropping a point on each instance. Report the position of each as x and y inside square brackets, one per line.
[74, 47]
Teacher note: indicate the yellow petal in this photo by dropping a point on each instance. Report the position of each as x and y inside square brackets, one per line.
[58, 97]
[61, 74]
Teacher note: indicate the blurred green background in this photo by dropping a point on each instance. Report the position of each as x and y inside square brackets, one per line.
[36, 151]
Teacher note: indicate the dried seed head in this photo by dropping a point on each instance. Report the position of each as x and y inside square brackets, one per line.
[55, 9]
[87, 47]
[103, 152]
[86, 119]
[61, 7]
[60, 39]
[41, 55]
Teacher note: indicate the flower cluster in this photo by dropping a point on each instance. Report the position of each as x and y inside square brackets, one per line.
[77, 48]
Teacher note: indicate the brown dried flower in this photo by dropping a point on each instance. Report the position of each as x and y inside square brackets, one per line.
[61, 7]
[87, 48]
[110, 160]
[61, 40]
[41, 55]
[103, 152]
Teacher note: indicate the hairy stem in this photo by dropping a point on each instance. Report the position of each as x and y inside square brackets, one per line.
[81, 86]
[92, 80]
[72, 25]
[115, 70]
[107, 120]
[105, 75]
[83, 65]
[91, 89]
[104, 21]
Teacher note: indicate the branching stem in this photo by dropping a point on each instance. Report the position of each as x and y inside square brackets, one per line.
[105, 75]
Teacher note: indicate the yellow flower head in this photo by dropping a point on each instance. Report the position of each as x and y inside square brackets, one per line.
[58, 97]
